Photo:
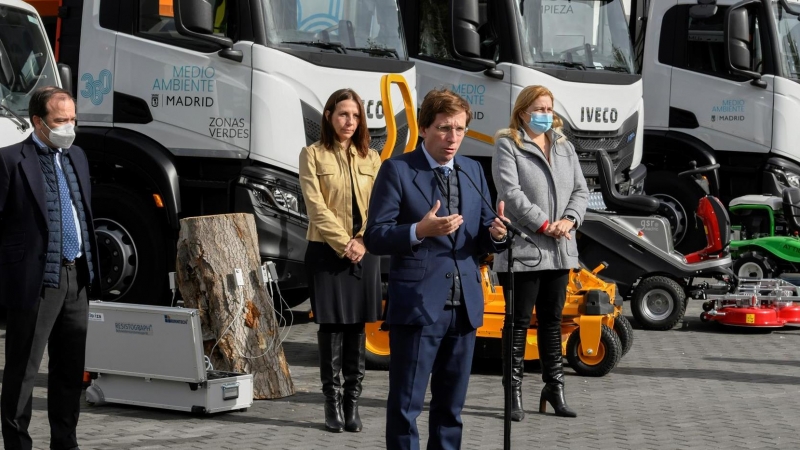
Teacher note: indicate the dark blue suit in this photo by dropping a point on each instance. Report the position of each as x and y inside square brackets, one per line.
[425, 336]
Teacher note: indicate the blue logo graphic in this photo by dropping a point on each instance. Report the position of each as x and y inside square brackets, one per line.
[317, 19]
[96, 89]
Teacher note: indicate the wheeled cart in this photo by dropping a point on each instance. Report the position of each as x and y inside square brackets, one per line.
[153, 356]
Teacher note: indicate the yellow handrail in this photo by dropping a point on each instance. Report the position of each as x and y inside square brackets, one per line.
[388, 110]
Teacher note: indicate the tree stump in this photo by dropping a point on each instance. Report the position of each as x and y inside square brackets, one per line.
[242, 319]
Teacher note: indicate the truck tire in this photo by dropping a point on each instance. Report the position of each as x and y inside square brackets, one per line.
[754, 264]
[658, 303]
[603, 362]
[132, 249]
[683, 195]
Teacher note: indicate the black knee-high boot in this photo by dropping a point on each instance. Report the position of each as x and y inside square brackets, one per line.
[549, 338]
[330, 364]
[353, 370]
[517, 370]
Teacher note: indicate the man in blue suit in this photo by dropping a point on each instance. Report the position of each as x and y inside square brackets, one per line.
[426, 212]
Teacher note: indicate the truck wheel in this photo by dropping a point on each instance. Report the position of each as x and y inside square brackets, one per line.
[132, 252]
[377, 356]
[599, 364]
[658, 303]
[681, 195]
[754, 264]
[624, 331]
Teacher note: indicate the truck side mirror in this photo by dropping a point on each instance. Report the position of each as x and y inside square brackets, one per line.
[65, 73]
[195, 19]
[738, 42]
[466, 40]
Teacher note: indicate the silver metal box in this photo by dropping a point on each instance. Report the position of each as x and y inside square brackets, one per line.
[153, 356]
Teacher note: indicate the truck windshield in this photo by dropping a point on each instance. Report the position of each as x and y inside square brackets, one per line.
[575, 34]
[789, 38]
[24, 61]
[369, 28]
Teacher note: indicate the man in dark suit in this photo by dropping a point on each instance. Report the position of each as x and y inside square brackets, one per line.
[48, 261]
[427, 214]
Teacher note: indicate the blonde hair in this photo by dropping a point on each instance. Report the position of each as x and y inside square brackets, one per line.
[524, 101]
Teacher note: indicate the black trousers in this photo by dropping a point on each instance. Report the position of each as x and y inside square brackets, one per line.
[59, 320]
[544, 289]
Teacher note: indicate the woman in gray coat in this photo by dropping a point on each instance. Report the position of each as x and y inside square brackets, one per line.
[538, 176]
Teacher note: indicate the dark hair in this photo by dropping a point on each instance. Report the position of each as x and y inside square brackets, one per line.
[361, 137]
[41, 97]
[442, 100]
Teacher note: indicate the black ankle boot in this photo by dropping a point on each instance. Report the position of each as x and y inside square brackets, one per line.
[330, 364]
[517, 370]
[552, 371]
[553, 393]
[353, 370]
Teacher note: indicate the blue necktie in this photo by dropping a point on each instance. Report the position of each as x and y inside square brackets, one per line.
[69, 234]
[444, 171]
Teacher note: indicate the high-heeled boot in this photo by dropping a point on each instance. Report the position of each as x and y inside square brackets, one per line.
[330, 364]
[517, 370]
[549, 338]
[353, 370]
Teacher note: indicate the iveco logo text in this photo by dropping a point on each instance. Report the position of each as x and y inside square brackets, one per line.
[598, 114]
[368, 104]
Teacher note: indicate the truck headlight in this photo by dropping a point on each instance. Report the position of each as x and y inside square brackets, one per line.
[792, 179]
[278, 193]
[786, 176]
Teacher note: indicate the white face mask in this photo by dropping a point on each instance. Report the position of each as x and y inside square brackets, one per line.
[63, 136]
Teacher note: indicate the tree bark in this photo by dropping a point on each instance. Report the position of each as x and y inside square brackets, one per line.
[239, 320]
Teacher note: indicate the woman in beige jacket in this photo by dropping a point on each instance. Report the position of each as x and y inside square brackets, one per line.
[336, 176]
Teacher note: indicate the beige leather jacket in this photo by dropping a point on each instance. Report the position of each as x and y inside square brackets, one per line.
[325, 178]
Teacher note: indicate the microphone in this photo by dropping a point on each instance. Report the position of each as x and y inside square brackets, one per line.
[507, 222]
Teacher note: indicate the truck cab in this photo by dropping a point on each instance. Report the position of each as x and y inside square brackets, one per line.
[488, 51]
[722, 85]
[198, 107]
[26, 64]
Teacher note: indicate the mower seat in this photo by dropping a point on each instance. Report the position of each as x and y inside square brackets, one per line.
[791, 208]
[635, 205]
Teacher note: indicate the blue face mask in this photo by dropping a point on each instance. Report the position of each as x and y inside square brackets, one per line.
[540, 122]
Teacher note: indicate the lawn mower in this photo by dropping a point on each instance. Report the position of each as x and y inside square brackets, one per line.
[594, 333]
[757, 303]
[765, 228]
[633, 235]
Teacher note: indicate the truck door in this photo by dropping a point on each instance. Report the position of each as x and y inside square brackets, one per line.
[706, 101]
[437, 67]
[199, 101]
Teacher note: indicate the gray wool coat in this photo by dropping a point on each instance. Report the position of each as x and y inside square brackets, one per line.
[535, 191]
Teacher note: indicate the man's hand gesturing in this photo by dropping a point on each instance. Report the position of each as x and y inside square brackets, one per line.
[431, 225]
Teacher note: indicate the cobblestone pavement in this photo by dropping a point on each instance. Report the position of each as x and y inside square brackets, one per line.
[694, 387]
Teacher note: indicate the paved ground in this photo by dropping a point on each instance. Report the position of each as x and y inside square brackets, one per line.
[693, 387]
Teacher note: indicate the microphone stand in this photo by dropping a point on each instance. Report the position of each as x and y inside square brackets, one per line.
[507, 336]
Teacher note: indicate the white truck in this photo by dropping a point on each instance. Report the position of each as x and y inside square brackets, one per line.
[721, 85]
[488, 51]
[26, 64]
[202, 107]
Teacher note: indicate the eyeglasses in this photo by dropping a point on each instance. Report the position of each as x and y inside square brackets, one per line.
[446, 129]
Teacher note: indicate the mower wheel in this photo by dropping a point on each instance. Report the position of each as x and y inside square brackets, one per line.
[599, 364]
[754, 264]
[658, 303]
[624, 331]
[377, 355]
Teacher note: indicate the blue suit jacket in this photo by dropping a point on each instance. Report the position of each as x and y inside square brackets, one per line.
[23, 222]
[420, 276]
